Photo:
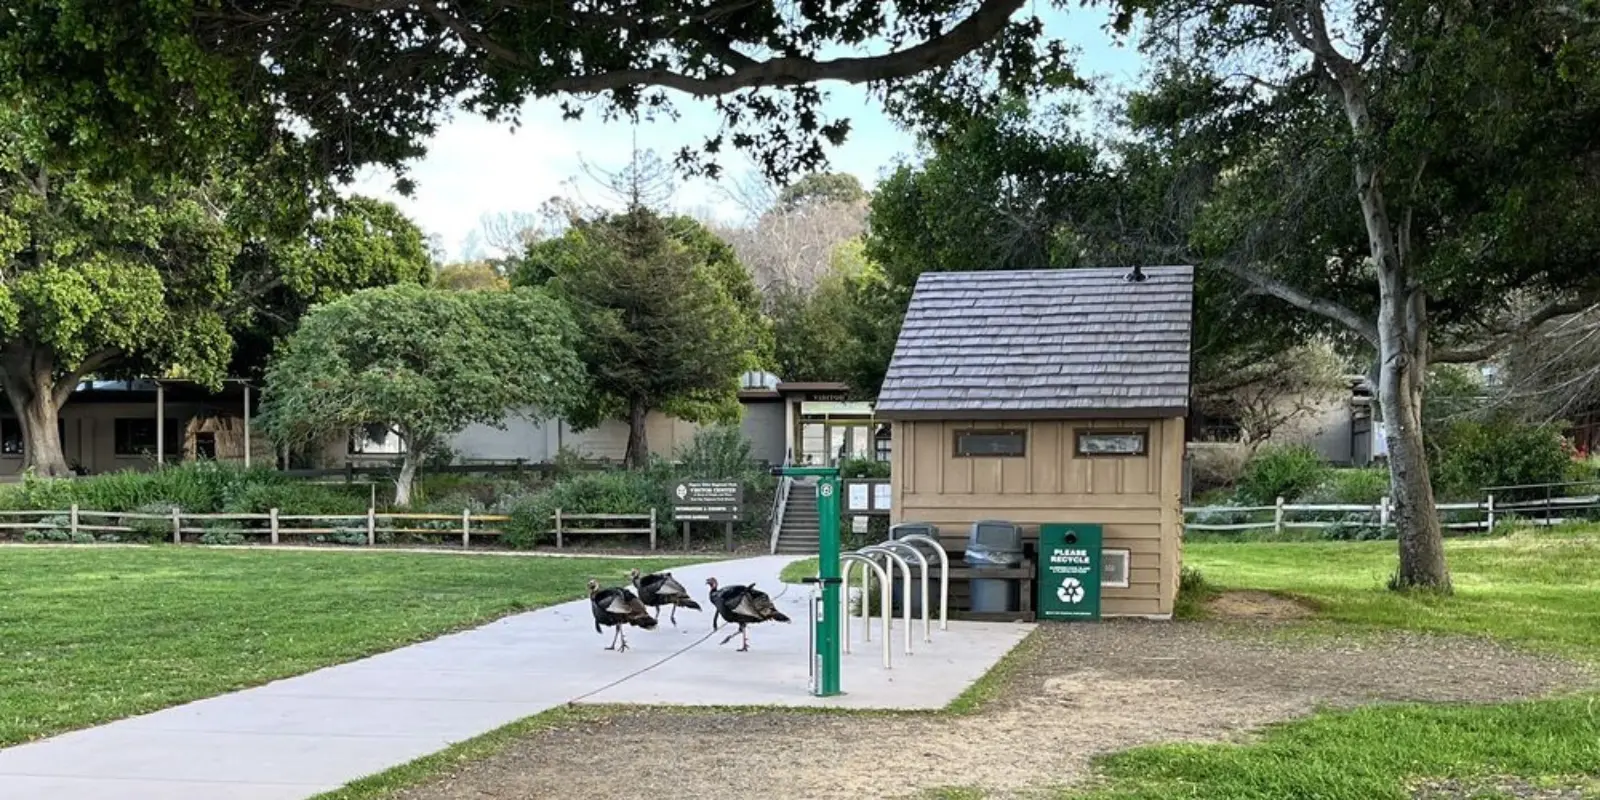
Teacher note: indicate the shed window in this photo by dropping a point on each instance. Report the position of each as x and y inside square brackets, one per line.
[1113, 443]
[1114, 568]
[1011, 444]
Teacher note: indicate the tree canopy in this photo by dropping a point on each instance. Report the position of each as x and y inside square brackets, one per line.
[423, 361]
[669, 320]
[155, 275]
[366, 81]
[1421, 174]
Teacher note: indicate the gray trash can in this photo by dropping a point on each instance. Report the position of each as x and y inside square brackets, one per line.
[994, 544]
[919, 529]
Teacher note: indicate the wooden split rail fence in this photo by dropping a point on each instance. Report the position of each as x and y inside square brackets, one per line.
[276, 527]
[1489, 513]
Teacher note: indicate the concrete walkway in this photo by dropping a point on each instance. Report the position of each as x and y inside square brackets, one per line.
[301, 736]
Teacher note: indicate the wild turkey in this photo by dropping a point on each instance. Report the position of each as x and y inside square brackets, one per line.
[661, 589]
[745, 605]
[617, 607]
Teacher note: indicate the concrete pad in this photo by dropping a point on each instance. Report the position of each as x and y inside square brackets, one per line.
[297, 737]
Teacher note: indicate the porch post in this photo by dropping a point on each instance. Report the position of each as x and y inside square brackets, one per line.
[247, 426]
[161, 424]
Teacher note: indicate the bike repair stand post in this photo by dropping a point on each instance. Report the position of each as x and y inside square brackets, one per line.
[825, 630]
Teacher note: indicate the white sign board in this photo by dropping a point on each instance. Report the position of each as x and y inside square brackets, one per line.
[858, 497]
[881, 499]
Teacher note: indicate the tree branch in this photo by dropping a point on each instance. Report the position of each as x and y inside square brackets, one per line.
[1304, 301]
[1495, 345]
[979, 28]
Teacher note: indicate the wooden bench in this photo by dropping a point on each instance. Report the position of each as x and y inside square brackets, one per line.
[1024, 575]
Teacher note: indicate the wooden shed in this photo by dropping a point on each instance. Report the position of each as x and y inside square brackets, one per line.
[1044, 396]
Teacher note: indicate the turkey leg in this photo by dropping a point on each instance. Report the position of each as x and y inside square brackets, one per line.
[746, 647]
[673, 617]
[735, 633]
[614, 638]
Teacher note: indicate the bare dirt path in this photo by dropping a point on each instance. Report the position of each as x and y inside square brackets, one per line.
[1080, 690]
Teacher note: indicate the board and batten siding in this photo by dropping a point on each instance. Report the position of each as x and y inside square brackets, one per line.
[1136, 498]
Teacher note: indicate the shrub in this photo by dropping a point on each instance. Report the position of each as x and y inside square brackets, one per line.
[1287, 471]
[863, 468]
[719, 453]
[588, 493]
[1216, 465]
[1365, 487]
[1472, 455]
[221, 537]
[294, 498]
[150, 530]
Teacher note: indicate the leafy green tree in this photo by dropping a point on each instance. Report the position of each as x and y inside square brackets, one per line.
[1021, 189]
[661, 330]
[424, 362]
[469, 275]
[1418, 173]
[153, 276]
[158, 83]
[821, 188]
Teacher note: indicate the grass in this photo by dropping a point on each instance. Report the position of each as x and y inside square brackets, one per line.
[1540, 589]
[799, 570]
[95, 634]
[1369, 753]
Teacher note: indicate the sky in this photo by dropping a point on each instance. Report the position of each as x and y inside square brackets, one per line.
[474, 167]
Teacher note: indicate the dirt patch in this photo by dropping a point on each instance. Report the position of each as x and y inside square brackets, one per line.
[1507, 787]
[1082, 690]
[1257, 605]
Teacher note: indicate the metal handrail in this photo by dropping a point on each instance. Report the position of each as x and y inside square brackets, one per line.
[780, 502]
[905, 591]
[847, 561]
[922, 560]
[944, 575]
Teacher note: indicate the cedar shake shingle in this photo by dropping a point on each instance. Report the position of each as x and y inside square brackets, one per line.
[1059, 342]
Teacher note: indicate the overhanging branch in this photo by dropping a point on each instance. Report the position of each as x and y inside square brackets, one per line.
[1509, 335]
[1302, 300]
[980, 27]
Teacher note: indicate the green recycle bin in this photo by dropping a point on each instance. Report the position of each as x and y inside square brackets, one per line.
[1068, 583]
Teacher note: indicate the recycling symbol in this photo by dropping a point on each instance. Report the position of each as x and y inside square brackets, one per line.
[1070, 591]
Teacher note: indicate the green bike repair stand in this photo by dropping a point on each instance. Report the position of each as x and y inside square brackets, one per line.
[825, 630]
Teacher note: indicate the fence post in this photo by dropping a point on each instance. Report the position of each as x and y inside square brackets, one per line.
[652, 528]
[272, 523]
[372, 526]
[72, 520]
[1383, 514]
[1277, 518]
[466, 528]
[1490, 508]
[558, 529]
[177, 526]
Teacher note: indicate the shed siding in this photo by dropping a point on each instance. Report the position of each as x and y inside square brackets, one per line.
[1136, 498]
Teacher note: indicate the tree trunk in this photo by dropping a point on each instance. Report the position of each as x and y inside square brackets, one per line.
[638, 455]
[37, 396]
[403, 481]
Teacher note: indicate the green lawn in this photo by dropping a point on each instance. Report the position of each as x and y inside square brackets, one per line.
[1540, 589]
[89, 635]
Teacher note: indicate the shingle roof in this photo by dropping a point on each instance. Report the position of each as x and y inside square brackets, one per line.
[1039, 342]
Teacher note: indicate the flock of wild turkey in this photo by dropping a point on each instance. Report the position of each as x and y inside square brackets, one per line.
[617, 607]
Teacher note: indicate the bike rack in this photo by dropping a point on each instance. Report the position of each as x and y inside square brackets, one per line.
[922, 560]
[848, 560]
[944, 576]
[905, 592]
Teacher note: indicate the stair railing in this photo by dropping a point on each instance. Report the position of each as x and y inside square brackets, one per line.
[780, 501]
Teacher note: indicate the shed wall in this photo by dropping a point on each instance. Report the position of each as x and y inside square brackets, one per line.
[1136, 498]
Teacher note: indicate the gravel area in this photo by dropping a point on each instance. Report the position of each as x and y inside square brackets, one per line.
[1078, 691]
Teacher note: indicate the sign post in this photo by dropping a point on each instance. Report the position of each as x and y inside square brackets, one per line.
[708, 501]
[1068, 583]
[825, 633]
